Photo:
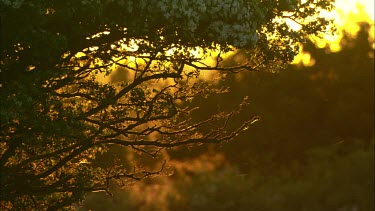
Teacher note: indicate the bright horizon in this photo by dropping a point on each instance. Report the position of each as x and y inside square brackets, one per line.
[346, 15]
[351, 6]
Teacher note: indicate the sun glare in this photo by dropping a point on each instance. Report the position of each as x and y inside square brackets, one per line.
[347, 15]
[345, 7]
[350, 12]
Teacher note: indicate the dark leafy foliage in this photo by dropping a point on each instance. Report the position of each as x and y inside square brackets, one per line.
[313, 149]
[56, 115]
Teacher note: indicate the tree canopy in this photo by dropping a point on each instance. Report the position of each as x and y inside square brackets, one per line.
[56, 113]
[312, 149]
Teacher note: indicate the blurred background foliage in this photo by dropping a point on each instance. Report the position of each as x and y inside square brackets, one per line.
[312, 149]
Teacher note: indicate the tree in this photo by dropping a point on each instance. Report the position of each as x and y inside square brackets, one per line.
[313, 149]
[56, 114]
[305, 107]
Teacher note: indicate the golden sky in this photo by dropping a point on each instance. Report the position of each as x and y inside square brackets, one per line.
[344, 7]
[347, 14]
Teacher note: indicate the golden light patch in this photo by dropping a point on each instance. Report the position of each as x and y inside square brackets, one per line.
[347, 15]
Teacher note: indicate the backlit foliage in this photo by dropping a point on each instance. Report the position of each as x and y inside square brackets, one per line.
[56, 114]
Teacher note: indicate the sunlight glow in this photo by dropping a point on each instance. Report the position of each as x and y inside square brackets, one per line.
[350, 12]
[347, 15]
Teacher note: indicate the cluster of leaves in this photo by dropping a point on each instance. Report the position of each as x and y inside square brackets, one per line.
[56, 115]
[326, 103]
[312, 149]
